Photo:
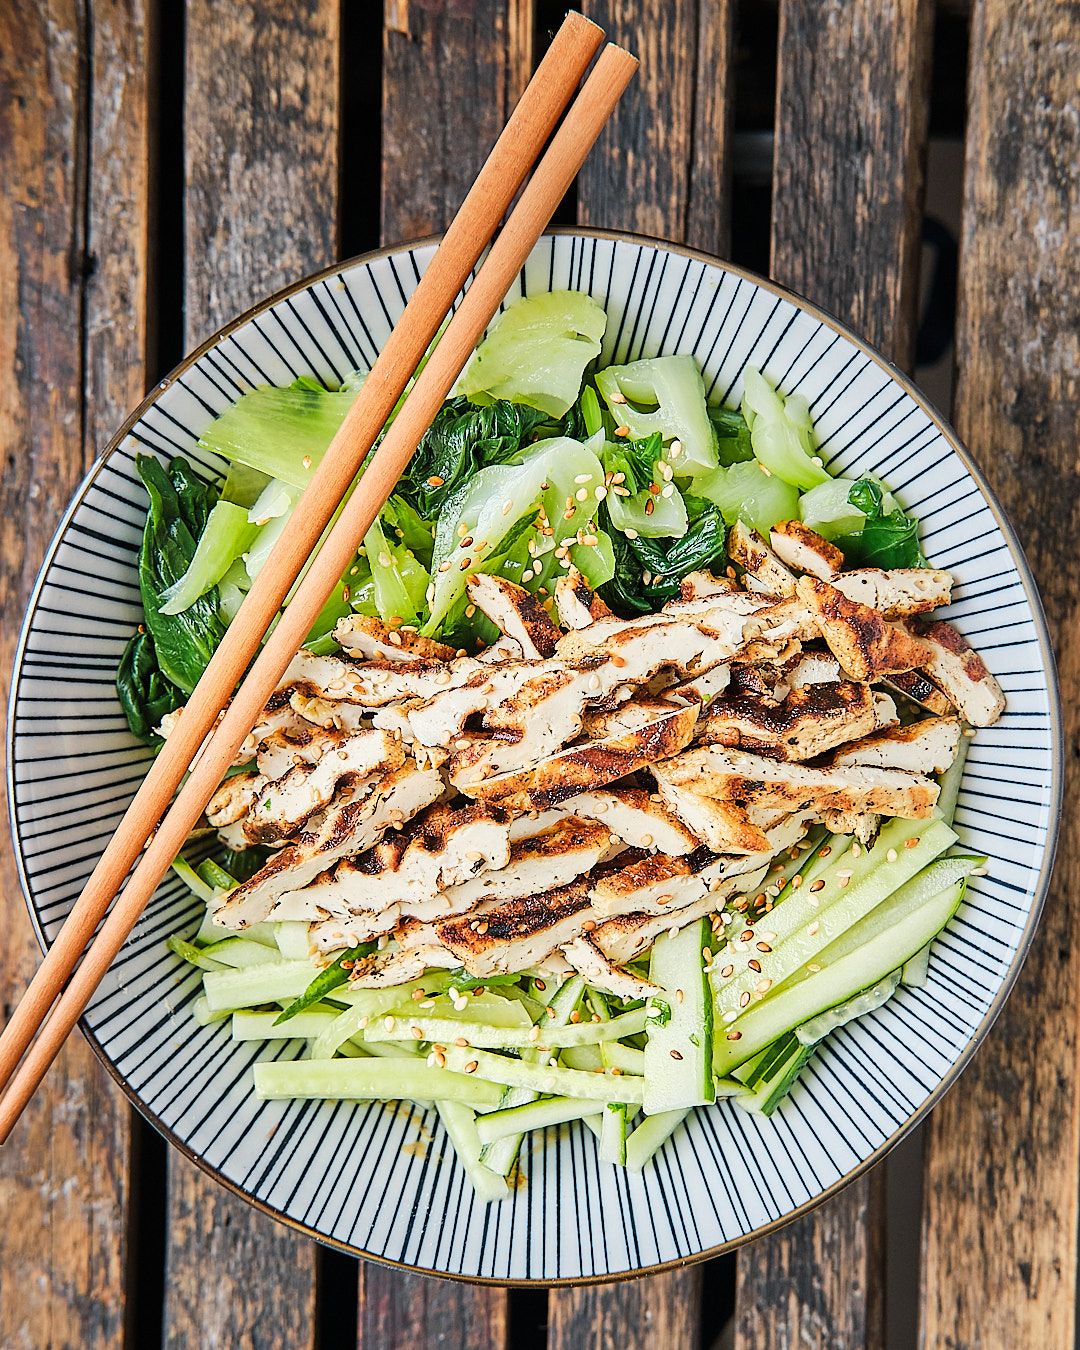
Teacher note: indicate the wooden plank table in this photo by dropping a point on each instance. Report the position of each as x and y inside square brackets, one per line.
[163, 163]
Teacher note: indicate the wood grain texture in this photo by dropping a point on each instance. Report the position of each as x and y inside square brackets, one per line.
[659, 1312]
[1000, 1198]
[73, 241]
[261, 133]
[847, 184]
[452, 72]
[662, 167]
[398, 1311]
[261, 207]
[852, 98]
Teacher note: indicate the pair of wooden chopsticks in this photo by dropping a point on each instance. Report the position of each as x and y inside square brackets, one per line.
[532, 122]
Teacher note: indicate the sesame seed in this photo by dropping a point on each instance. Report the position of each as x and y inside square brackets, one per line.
[706, 954]
[646, 840]
[622, 431]
[306, 461]
[539, 983]
[617, 398]
[747, 935]
[679, 995]
[763, 947]
[766, 471]
[813, 967]
[389, 1023]
[466, 563]
[727, 972]
[445, 566]
[583, 478]
[417, 995]
[730, 1016]
[466, 541]
[812, 928]
[534, 1033]
[856, 851]
[364, 1021]
[667, 492]
[911, 843]
[892, 855]
[843, 881]
[649, 507]
[417, 1033]
[575, 1017]
[674, 1054]
[969, 731]
[596, 1017]
[796, 881]
[550, 1011]
[436, 481]
[824, 852]
[631, 534]
[600, 493]
[763, 986]
[472, 1066]
[755, 966]
[818, 885]
[384, 558]
[736, 1035]
[582, 494]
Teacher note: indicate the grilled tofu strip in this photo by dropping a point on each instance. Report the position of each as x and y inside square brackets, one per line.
[765, 573]
[576, 603]
[805, 550]
[588, 960]
[333, 716]
[917, 686]
[553, 857]
[233, 800]
[638, 821]
[585, 766]
[702, 689]
[520, 933]
[284, 805]
[924, 747]
[959, 670]
[277, 716]
[386, 970]
[516, 612]
[723, 827]
[731, 775]
[812, 719]
[861, 640]
[897, 593]
[624, 936]
[372, 684]
[370, 639]
[355, 820]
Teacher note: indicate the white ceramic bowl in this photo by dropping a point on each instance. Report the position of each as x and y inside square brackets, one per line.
[382, 1181]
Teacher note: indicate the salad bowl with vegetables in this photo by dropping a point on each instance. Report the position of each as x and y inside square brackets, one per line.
[654, 819]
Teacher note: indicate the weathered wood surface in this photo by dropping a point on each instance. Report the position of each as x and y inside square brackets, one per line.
[260, 210]
[398, 1311]
[1000, 1196]
[847, 184]
[850, 150]
[72, 352]
[662, 165]
[660, 1312]
[452, 72]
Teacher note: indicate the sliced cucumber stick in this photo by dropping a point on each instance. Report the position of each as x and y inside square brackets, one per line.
[678, 1052]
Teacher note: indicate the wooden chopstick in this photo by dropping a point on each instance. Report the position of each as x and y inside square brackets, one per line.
[552, 177]
[514, 153]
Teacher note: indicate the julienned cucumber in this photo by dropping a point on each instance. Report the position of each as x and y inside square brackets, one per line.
[437, 1029]
[774, 1073]
[275, 982]
[868, 1001]
[534, 1115]
[650, 1135]
[806, 920]
[371, 1080]
[459, 1122]
[859, 968]
[546, 1078]
[501, 1155]
[678, 1052]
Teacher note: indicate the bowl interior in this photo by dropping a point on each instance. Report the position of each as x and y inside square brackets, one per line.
[382, 1181]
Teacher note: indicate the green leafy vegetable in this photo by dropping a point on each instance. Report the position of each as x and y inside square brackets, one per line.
[666, 565]
[781, 432]
[332, 977]
[664, 394]
[733, 435]
[888, 539]
[829, 511]
[744, 491]
[180, 505]
[242, 864]
[226, 535]
[144, 692]
[281, 432]
[536, 352]
[462, 440]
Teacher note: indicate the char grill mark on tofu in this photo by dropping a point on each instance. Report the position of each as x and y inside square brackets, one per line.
[897, 593]
[588, 960]
[387, 970]
[372, 684]
[370, 639]
[354, 821]
[805, 550]
[923, 747]
[513, 936]
[731, 775]
[284, 806]
[638, 821]
[917, 686]
[811, 720]
[516, 612]
[765, 573]
[959, 670]
[324, 713]
[655, 884]
[699, 586]
[624, 936]
[690, 645]
[300, 745]
[277, 716]
[702, 689]
[553, 857]
[576, 603]
[586, 766]
[861, 640]
[724, 827]
[232, 801]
